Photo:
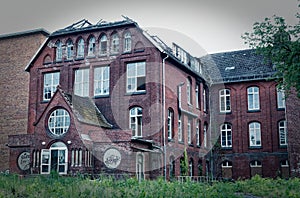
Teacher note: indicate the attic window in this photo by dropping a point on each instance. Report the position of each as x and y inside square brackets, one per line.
[229, 68]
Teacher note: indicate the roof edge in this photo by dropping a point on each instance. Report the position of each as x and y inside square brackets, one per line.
[25, 33]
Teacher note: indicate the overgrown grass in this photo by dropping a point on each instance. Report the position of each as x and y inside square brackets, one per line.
[56, 186]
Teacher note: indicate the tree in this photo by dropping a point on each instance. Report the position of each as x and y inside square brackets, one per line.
[184, 164]
[279, 43]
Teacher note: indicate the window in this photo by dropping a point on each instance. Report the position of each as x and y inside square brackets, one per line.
[103, 45]
[254, 134]
[115, 43]
[253, 98]
[136, 114]
[58, 51]
[284, 163]
[226, 135]
[255, 163]
[189, 90]
[69, 49]
[282, 133]
[226, 164]
[127, 42]
[172, 167]
[91, 46]
[170, 123]
[140, 167]
[189, 128]
[280, 99]
[59, 122]
[136, 77]
[197, 96]
[204, 100]
[180, 139]
[101, 81]
[225, 100]
[80, 48]
[205, 135]
[51, 80]
[198, 133]
[191, 167]
[81, 87]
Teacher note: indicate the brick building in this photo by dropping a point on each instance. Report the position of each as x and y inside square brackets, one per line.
[250, 117]
[97, 104]
[16, 50]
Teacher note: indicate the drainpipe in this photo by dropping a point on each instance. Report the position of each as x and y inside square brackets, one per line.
[164, 117]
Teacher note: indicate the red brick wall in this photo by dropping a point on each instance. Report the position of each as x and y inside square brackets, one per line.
[293, 118]
[15, 54]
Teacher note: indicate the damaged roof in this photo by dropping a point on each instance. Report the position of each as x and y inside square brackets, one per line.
[86, 111]
[237, 66]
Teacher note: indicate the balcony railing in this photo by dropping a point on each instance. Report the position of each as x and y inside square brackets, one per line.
[200, 179]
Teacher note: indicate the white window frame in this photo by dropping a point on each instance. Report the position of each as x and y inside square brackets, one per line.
[197, 133]
[140, 166]
[59, 122]
[227, 130]
[204, 100]
[180, 138]
[197, 95]
[127, 42]
[189, 91]
[280, 98]
[255, 134]
[136, 121]
[50, 88]
[101, 81]
[115, 43]
[136, 72]
[282, 128]
[92, 46]
[226, 164]
[189, 130]
[80, 48]
[70, 49]
[224, 101]
[81, 84]
[255, 164]
[103, 45]
[170, 123]
[205, 135]
[253, 98]
[58, 45]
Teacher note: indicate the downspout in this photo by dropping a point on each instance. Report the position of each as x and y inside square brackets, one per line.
[164, 116]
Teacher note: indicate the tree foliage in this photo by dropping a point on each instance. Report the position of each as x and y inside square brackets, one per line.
[279, 43]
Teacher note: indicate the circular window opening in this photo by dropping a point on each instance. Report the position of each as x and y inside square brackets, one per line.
[59, 122]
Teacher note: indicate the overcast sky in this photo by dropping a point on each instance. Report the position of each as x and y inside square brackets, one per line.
[212, 25]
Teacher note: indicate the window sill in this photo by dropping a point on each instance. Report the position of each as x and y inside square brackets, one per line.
[283, 146]
[281, 109]
[91, 56]
[68, 60]
[135, 93]
[180, 142]
[57, 61]
[101, 96]
[139, 50]
[170, 140]
[79, 58]
[254, 111]
[226, 148]
[225, 112]
[191, 145]
[127, 52]
[255, 147]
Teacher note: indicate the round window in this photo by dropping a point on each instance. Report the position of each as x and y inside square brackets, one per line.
[59, 122]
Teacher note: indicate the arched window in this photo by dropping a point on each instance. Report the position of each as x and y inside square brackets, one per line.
[253, 98]
[140, 167]
[198, 132]
[127, 42]
[254, 134]
[58, 46]
[280, 98]
[103, 45]
[170, 123]
[282, 133]
[224, 95]
[191, 167]
[205, 135]
[256, 168]
[226, 135]
[80, 48]
[70, 48]
[115, 43]
[136, 115]
[227, 169]
[172, 167]
[91, 46]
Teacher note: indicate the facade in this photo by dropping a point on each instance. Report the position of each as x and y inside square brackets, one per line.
[16, 50]
[97, 105]
[250, 117]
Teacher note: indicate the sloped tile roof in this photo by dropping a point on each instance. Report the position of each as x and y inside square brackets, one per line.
[86, 111]
[237, 66]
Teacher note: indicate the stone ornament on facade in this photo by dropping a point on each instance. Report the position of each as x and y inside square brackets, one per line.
[24, 161]
[112, 158]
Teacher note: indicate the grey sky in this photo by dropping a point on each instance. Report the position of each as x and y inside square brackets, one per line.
[215, 25]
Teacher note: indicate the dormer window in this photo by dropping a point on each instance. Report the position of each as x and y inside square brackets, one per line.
[58, 46]
[80, 48]
[103, 45]
[91, 48]
[115, 43]
[127, 42]
[70, 48]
